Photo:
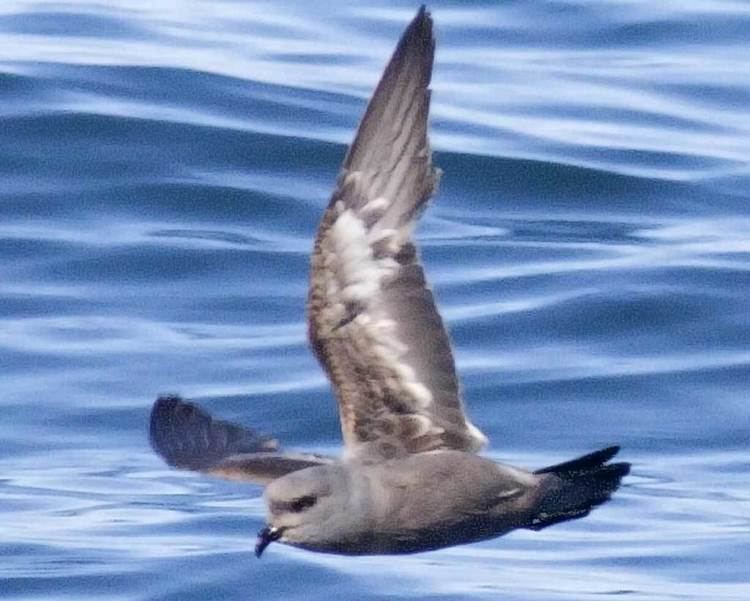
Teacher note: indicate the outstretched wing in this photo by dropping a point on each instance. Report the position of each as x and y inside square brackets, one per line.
[187, 437]
[372, 318]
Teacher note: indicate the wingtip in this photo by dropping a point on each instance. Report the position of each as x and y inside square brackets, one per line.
[407, 75]
[418, 33]
[187, 437]
[423, 14]
[423, 24]
[164, 405]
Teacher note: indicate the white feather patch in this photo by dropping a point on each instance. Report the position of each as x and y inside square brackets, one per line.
[359, 273]
[375, 206]
[480, 440]
[357, 278]
[419, 392]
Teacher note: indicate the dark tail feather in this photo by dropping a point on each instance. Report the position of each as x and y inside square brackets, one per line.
[585, 463]
[572, 489]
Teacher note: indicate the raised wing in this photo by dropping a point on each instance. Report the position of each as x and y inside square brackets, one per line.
[187, 437]
[372, 317]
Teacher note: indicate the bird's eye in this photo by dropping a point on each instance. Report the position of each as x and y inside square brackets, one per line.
[303, 503]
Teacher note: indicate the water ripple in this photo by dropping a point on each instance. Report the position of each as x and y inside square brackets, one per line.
[163, 174]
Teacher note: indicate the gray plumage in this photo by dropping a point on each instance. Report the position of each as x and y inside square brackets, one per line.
[410, 479]
[373, 323]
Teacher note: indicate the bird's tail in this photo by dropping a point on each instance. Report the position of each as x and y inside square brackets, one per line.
[572, 489]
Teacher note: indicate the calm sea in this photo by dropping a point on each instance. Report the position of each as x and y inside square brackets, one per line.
[163, 166]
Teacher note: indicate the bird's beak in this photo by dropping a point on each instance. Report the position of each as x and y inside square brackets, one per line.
[265, 537]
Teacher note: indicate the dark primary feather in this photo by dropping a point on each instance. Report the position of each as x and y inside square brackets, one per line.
[187, 437]
[391, 149]
[386, 180]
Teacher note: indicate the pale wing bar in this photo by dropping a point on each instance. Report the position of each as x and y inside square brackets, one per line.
[187, 437]
[372, 319]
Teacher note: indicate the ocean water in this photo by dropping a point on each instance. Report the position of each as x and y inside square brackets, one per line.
[163, 166]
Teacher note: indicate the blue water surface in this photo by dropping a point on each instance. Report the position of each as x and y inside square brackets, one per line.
[163, 166]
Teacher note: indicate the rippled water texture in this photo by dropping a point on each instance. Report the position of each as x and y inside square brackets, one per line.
[163, 167]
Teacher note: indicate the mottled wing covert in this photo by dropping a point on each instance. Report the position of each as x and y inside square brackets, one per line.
[372, 318]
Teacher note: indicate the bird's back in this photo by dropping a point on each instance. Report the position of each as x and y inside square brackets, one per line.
[442, 498]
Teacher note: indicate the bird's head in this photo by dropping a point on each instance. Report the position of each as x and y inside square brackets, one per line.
[310, 508]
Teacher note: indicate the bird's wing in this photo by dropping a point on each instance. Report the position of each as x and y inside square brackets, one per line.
[372, 318]
[187, 437]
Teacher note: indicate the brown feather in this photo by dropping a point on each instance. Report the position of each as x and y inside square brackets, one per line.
[373, 323]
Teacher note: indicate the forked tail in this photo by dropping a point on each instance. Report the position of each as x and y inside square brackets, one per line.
[572, 489]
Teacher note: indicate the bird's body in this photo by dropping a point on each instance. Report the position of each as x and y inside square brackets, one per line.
[458, 498]
[410, 478]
